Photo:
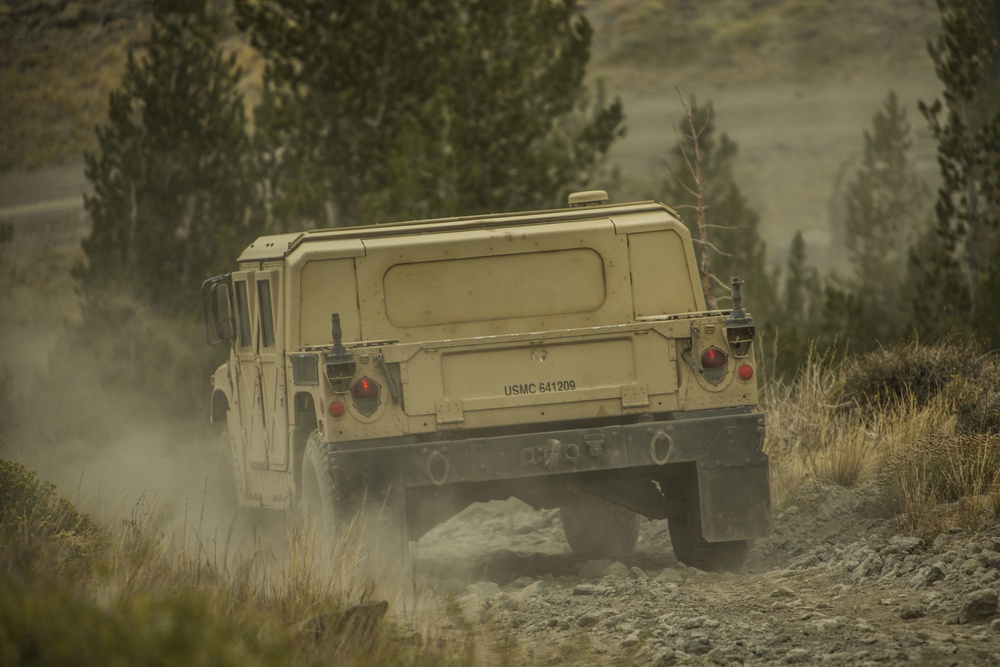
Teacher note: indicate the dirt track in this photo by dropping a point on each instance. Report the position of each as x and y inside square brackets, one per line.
[832, 586]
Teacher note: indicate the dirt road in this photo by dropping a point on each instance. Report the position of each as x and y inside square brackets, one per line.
[834, 585]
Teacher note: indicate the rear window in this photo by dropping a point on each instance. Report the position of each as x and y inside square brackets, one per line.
[496, 287]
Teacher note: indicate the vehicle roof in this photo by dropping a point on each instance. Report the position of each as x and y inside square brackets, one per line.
[277, 246]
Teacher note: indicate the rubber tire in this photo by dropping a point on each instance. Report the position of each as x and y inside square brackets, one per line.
[225, 476]
[318, 497]
[596, 528]
[690, 546]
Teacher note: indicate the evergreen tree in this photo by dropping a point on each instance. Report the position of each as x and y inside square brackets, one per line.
[171, 185]
[955, 269]
[887, 204]
[736, 246]
[801, 312]
[398, 109]
[6, 234]
[170, 177]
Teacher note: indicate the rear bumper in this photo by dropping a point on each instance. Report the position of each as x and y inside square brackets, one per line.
[725, 448]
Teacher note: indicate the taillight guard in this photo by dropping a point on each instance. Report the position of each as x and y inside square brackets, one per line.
[366, 393]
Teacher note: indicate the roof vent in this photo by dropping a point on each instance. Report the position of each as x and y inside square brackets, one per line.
[588, 198]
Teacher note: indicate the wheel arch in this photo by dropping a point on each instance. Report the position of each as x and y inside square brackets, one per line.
[220, 406]
[306, 421]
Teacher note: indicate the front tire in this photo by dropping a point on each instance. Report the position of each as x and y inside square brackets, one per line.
[596, 528]
[318, 497]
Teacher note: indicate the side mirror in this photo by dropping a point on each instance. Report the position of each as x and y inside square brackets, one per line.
[217, 303]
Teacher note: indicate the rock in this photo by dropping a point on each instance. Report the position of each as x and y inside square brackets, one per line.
[870, 567]
[484, 588]
[532, 590]
[970, 565]
[631, 640]
[670, 576]
[797, 655]
[823, 625]
[995, 625]
[594, 569]
[904, 544]
[691, 623]
[782, 593]
[992, 558]
[697, 645]
[941, 541]
[592, 618]
[908, 611]
[637, 574]
[590, 589]
[617, 571]
[928, 576]
[664, 658]
[978, 607]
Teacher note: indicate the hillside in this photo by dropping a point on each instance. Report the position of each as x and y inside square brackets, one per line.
[59, 59]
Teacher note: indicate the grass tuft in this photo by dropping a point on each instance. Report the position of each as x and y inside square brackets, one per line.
[919, 421]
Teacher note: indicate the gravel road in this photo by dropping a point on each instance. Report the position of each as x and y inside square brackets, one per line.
[835, 585]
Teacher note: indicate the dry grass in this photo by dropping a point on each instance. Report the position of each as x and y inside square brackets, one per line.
[129, 588]
[837, 424]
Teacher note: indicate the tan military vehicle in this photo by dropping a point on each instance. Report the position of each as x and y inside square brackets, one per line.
[563, 357]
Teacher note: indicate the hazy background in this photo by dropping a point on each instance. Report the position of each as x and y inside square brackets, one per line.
[794, 84]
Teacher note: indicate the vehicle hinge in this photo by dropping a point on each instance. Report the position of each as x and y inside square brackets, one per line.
[690, 353]
[450, 414]
[634, 398]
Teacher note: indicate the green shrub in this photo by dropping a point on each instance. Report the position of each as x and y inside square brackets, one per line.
[883, 378]
[976, 400]
[30, 507]
[55, 627]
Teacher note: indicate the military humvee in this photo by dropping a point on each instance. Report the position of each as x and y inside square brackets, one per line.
[563, 357]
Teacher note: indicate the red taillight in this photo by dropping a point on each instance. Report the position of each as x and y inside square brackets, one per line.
[365, 389]
[745, 372]
[337, 409]
[366, 396]
[713, 358]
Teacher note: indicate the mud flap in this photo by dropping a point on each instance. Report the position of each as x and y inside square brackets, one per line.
[734, 489]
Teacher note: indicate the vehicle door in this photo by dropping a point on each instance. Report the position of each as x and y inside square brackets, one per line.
[272, 424]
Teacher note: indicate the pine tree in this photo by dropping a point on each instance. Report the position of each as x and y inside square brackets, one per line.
[736, 246]
[399, 109]
[887, 205]
[170, 177]
[800, 319]
[955, 268]
[172, 184]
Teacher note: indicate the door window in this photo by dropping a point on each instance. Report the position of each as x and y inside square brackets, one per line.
[243, 313]
[266, 313]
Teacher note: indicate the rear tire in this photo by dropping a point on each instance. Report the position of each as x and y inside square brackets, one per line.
[690, 546]
[375, 528]
[596, 528]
